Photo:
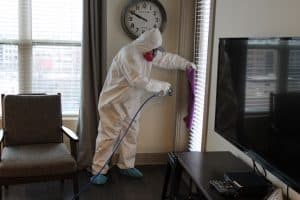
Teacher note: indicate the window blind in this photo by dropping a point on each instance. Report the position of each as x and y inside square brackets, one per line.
[40, 49]
[202, 25]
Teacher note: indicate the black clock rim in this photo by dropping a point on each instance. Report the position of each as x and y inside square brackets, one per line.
[160, 7]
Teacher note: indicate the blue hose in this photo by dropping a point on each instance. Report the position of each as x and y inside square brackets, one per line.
[87, 185]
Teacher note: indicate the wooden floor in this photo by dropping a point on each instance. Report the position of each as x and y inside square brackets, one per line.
[117, 188]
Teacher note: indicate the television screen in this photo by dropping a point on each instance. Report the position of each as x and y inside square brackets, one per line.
[258, 101]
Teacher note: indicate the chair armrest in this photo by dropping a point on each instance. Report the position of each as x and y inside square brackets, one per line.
[68, 132]
[1, 135]
[73, 140]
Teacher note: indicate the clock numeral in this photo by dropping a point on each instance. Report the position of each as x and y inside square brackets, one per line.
[143, 31]
[154, 13]
[137, 29]
[137, 7]
[157, 19]
[130, 18]
[144, 5]
[155, 26]
[132, 25]
[150, 7]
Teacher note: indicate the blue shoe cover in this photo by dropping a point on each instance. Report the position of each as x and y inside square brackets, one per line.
[99, 179]
[132, 172]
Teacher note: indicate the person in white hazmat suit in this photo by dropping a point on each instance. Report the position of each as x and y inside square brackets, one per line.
[120, 98]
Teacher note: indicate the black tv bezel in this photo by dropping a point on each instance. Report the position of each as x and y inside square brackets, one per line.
[249, 152]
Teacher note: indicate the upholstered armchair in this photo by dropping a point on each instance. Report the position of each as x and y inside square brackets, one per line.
[32, 141]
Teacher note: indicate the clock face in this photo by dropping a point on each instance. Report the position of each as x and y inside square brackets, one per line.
[141, 16]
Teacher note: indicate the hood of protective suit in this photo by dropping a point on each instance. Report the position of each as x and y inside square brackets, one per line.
[148, 41]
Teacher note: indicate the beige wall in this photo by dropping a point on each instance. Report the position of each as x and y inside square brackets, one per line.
[157, 125]
[249, 18]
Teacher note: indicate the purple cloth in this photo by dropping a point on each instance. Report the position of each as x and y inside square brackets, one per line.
[190, 73]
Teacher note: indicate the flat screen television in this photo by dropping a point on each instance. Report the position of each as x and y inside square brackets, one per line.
[258, 101]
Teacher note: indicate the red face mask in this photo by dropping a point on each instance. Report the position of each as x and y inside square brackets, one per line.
[149, 56]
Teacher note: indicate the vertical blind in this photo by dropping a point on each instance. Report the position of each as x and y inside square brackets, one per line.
[202, 24]
[40, 49]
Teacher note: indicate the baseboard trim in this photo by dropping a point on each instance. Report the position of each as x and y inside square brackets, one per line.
[147, 158]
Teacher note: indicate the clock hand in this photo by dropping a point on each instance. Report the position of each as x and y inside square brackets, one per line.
[138, 16]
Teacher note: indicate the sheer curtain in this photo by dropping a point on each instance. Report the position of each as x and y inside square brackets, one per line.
[92, 77]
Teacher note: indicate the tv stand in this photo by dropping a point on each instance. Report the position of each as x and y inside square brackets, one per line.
[202, 167]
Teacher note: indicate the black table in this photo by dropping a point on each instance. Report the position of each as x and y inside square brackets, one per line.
[202, 167]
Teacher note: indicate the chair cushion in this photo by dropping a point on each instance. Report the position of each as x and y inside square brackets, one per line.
[32, 119]
[36, 160]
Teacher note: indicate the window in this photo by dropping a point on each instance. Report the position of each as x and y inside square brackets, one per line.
[203, 8]
[40, 49]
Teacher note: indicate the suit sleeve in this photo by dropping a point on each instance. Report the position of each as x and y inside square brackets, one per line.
[167, 60]
[138, 81]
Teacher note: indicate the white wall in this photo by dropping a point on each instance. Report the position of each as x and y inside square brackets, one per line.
[249, 18]
[157, 125]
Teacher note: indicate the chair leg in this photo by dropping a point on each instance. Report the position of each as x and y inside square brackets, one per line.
[75, 184]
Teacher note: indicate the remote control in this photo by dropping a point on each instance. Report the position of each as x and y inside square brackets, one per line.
[224, 187]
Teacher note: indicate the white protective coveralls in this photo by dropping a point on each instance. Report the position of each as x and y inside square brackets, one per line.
[128, 76]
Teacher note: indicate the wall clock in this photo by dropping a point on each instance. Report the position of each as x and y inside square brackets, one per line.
[142, 15]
